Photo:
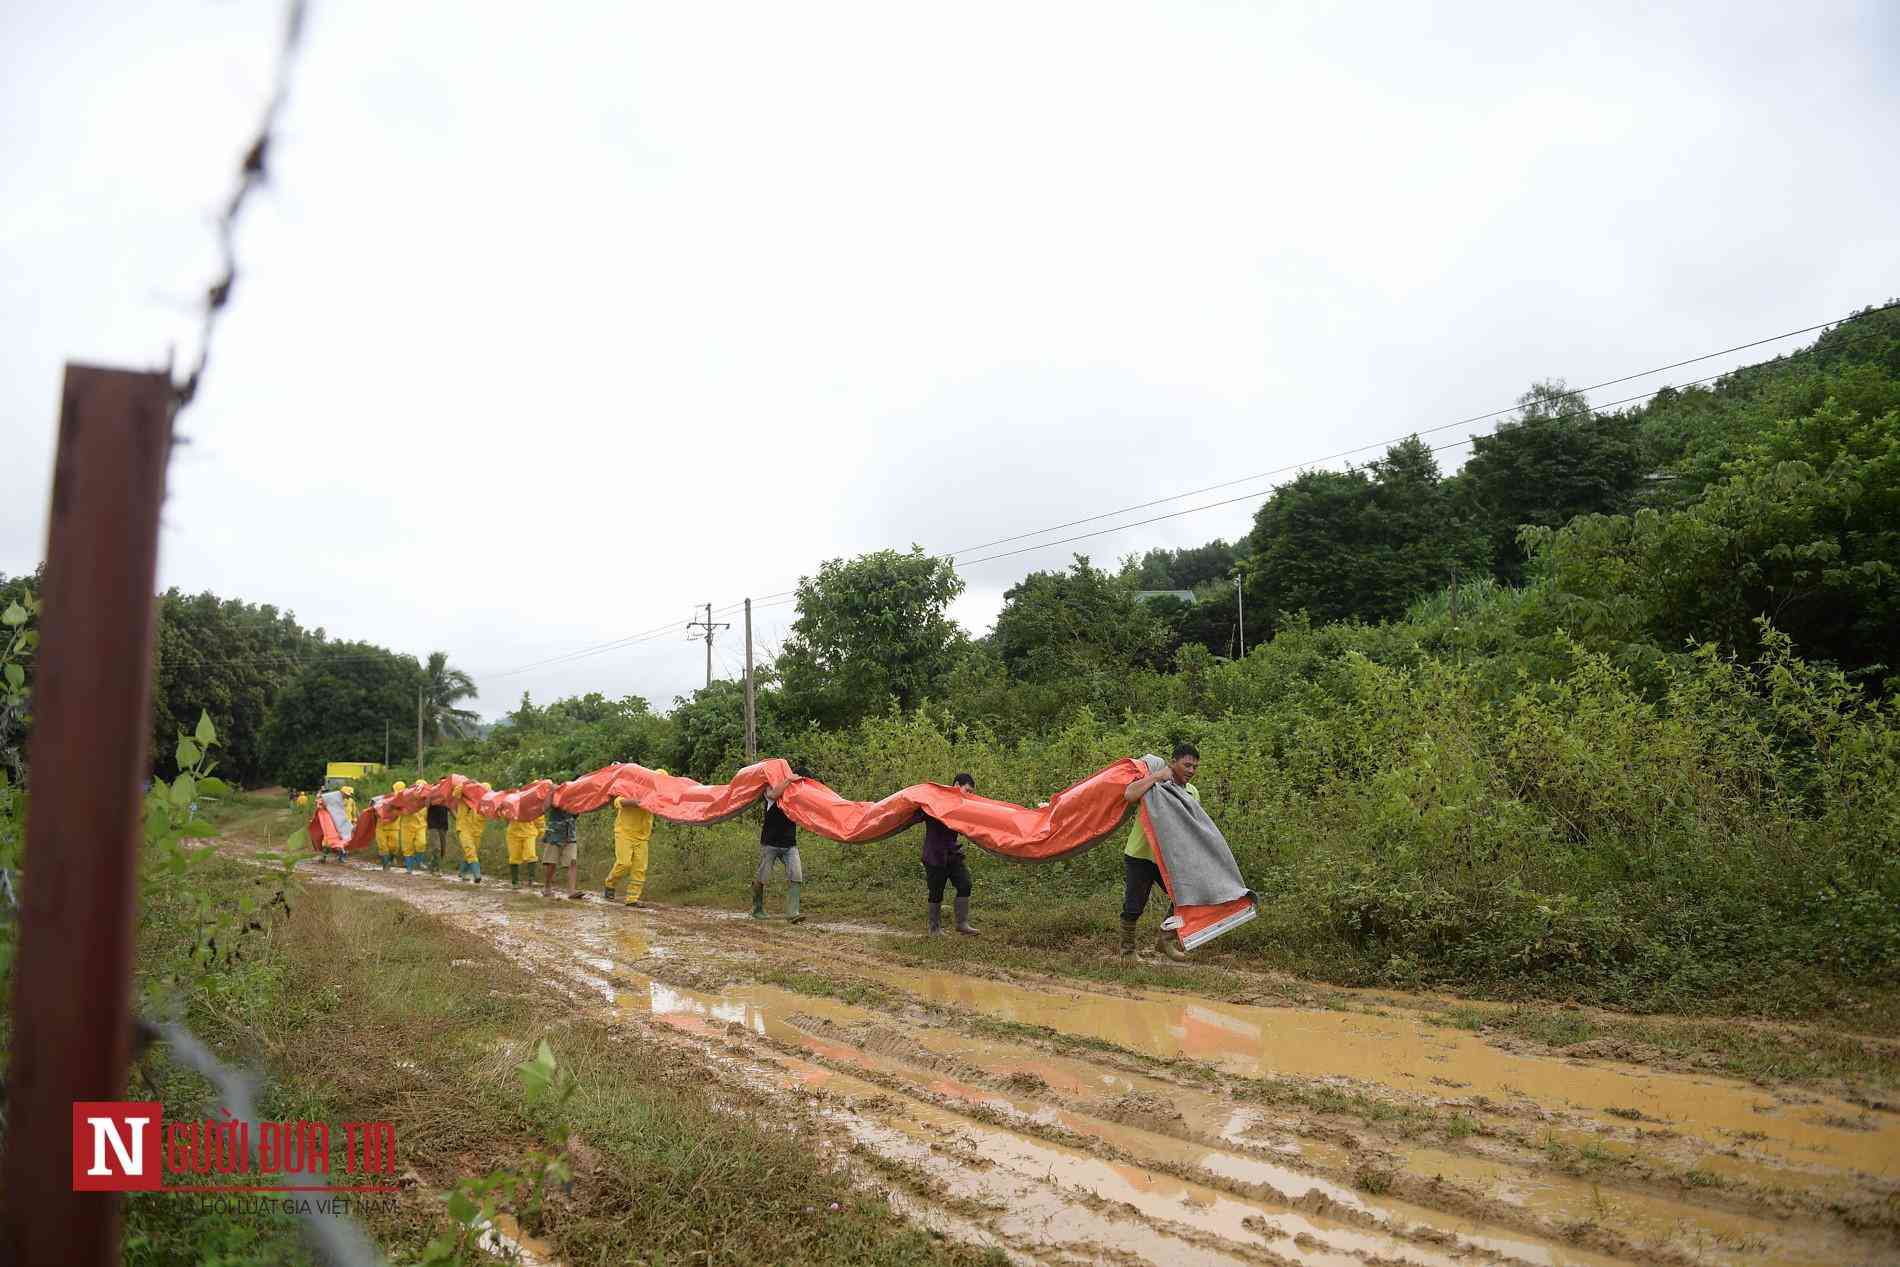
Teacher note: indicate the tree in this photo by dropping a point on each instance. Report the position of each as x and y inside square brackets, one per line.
[1804, 531]
[443, 687]
[1071, 625]
[227, 658]
[336, 708]
[1186, 568]
[870, 630]
[1357, 544]
[1556, 460]
[708, 735]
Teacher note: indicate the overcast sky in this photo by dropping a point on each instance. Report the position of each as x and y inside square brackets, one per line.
[558, 320]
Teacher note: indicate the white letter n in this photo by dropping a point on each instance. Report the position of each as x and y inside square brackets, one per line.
[104, 1128]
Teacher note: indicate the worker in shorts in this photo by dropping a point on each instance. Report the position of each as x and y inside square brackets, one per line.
[562, 849]
[778, 846]
[943, 862]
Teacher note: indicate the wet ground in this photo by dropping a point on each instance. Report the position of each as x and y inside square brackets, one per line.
[1070, 1125]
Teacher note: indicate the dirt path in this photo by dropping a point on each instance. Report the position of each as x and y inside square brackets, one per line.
[1069, 1125]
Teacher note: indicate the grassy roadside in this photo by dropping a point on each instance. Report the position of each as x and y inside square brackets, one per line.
[357, 1007]
[1053, 930]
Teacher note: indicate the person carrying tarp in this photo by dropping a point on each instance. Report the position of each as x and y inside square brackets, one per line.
[778, 846]
[521, 838]
[1139, 872]
[436, 823]
[563, 849]
[388, 831]
[410, 832]
[943, 861]
[633, 829]
[469, 825]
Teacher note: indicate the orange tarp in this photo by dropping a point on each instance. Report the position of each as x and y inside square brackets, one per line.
[1074, 819]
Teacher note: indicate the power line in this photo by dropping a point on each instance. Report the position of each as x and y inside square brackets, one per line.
[1261, 492]
[1462, 422]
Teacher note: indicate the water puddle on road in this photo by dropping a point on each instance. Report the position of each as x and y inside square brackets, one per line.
[1107, 1160]
[1404, 1054]
[1001, 1160]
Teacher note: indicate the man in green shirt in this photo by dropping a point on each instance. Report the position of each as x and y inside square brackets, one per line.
[1139, 872]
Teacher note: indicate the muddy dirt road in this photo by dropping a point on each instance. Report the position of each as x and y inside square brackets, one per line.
[1070, 1125]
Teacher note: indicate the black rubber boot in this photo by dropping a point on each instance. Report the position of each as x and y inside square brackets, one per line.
[963, 914]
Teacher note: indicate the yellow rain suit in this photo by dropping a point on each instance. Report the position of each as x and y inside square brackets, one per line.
[633, 828]
[521, 838]
[303, 800]
[411, 827]
[469, 825]
[349, 802]
[388, 835]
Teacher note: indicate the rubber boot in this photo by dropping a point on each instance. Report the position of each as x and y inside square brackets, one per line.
[474, 873]
[1170, 945]
[963, 914]
[384, 858]
[936, 918]
[514, 874]
[791, 903]
[758, 900]
[607, 892]
[1128, 938]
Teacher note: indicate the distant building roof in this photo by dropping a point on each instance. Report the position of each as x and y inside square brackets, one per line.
[1186, 596]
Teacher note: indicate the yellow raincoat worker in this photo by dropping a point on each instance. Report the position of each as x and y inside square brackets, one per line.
[303, 801]
[412, 827]
[469, 826]
[388, 835]
[349, 801]
[633, 828]
[521, 838]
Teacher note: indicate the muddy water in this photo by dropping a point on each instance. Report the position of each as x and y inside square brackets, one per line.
[1040, 1153]
[1403, 1053]
[1710, 1235]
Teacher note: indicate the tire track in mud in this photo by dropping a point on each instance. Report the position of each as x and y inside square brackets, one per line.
[1068, 1124]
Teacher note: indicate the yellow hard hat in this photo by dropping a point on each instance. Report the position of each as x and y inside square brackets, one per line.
[348, 790]
[398, 786]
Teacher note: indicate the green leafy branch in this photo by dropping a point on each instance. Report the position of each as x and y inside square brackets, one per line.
[522, 1190]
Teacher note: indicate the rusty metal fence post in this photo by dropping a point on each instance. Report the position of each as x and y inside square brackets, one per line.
[72, 979]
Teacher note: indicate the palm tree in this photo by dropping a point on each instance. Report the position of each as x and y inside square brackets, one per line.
[443, 687]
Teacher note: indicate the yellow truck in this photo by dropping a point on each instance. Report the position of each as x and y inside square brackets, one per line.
[337, 773]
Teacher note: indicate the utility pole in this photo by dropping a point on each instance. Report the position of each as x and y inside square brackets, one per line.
[418, 732]
[708, 625]
[1240, 609]
[751, 717]
[385, 743]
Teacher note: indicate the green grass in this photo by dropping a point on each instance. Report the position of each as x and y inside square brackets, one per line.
[818, 985]
[1767, 1054]
[350, 1008]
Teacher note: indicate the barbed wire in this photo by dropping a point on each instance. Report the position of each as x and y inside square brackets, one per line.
[253, 172]
[340, 1240]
